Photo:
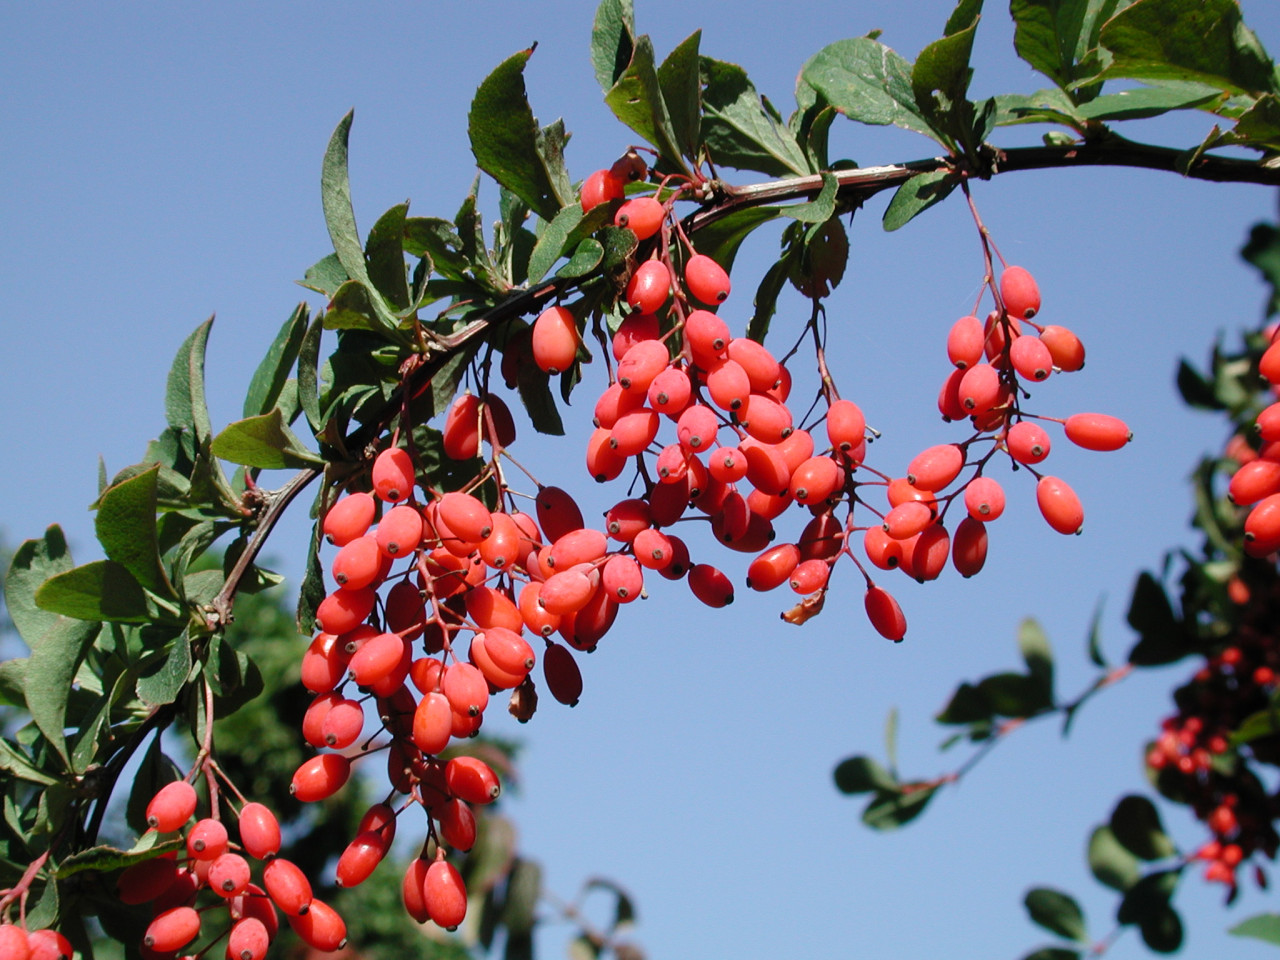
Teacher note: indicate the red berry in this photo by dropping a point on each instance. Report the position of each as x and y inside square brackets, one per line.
[259, 831]
[465, 688]
[762, 367]
[933, 469]
[248, 940]
[563, 677]
[320, 777]
[555, 340]
[1031, 358]
[984, 499]
[809, 576]
[461, 432]
[287, 886]
[885, 614]
[444, 894]
[1059, 505]
[643, 216]
[907, 519]
[349, 518]
[649, 286]
[376, 659]
[360, 858]
[706, 279]
[600, 187]
[965, 342]
[925, 554]
[708, 338]
[710, 585]
[1019, 292]
[207, 840]
[846, 425]
[1027, 442]
[1097, 431]
[229, 875]
[393, 475]
[49, 944]
[670, 391]
[765, 419]
[411, 890]
[969, 547]
[641, 365]
[472, 780]
[172, 806]
[1065, 348]
[979, 389]
[457, 824]
[321, 927]
[342, 724]
[172, 930]
[358, 564]
[142, 882]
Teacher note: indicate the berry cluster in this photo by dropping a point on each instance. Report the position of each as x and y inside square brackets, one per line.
[1256, 484]
[213, 868]
[19, 943]
[1194, 758]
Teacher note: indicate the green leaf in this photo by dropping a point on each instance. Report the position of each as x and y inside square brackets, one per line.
[862, 774]
[1053, 953]
[272, 373]
[102, 590]
[437, 240]
[636, 100]
[18, 764]
[1055, 36]
[505, 137]
[1162, 930]
[107, 859]
[1145, 102]
[1262, 926]
[12, 681]
[34, 562]
[551, 243]
[1095, 638]
[1149, 897]
[1196, 390]
[943, 67]
[55, 658]
[1137, 826]
[1036, 653]
[1201, 40]
[264, 442]
[384, 260]
[1264, 723]
[352, 308]
[916, 196]
[890, 810]
[126, 528]
[612, 40]
[820, 208]
[1111, 863]
[184, 401]
[325, 276]
[335, 196]
[680, 79]
[1056, 912]
[739, 130]
[1263, 251]
[867, 82]
[163, 677]
[584, 260]
[308, 372]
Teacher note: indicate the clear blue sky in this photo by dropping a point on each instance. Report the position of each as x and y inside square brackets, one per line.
[161, 163]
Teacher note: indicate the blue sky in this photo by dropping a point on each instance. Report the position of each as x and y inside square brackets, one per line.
[161, 164]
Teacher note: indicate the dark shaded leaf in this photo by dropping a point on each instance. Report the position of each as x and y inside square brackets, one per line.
[13, 761]
[1137, 826]
[524, 888]
[1196, 390]
[162, 679]
[308, 372]
[1163, 639]
[1111, 863]
[1057, 912]
[820, 208]
[264, 442]
[1149, 897]
[505, 137]
[1056, 36]
[1037, 654]
[585, 259]
[916, 196]
[1015, 694]
[1162, 930]
[551, 243]
[1095, 638]
[1053, 953]
[325, 275]
[967, 705]
[766, 300]
[738, 128]
[890, 810]
[862, 774]
[437, 240]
